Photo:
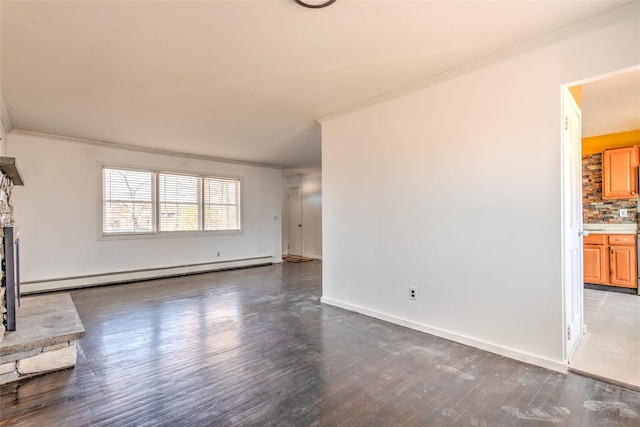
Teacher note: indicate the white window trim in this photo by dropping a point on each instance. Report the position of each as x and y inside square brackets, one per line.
[156, 234]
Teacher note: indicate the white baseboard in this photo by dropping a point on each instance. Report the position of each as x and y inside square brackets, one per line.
[135, 275]
[554, 365]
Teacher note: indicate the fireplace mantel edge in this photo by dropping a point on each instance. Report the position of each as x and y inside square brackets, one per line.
[8, 167]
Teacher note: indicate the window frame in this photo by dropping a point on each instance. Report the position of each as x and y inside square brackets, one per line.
[157, 233]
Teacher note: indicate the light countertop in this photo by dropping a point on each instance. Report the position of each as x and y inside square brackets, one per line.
[611, 228]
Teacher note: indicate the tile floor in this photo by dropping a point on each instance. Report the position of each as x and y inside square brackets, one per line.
[611, 347]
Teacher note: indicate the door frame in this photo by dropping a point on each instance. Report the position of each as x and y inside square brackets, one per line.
[574, 290]
[564, 263]
[290, 224]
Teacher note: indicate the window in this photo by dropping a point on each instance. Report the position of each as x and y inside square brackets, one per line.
[222, 204]
[128, 201]
[139, 202]
[179, 210]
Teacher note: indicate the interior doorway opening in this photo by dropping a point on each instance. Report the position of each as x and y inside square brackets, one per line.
[610, 306]
[294, 208]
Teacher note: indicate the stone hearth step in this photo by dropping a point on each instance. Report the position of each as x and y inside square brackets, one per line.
[48, 328]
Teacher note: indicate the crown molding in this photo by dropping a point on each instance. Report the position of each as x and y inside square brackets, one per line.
[119, 146]
[623, 13]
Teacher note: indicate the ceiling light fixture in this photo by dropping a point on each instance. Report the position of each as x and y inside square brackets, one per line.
[315, 4]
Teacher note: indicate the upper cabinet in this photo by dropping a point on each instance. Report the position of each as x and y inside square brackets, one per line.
[619, 173]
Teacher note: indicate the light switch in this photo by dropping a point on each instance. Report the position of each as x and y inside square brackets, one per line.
[623, 213]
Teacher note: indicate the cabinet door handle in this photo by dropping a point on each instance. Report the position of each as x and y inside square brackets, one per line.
[612, 265]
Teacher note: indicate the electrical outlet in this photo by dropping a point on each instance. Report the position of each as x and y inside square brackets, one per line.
[623, 213]
[218, 253]
[413, 293]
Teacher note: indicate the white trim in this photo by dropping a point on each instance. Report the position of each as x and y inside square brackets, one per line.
[155, 168]
[623, 13]
[119, 146]
[566, 96]
[560, 366]
[135, 275]
[603, 76]
[168, 234]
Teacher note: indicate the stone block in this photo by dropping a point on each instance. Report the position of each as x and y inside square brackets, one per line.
[49, 360]
[55, 346]
[8, 378]
[7, 367]
[12, 357]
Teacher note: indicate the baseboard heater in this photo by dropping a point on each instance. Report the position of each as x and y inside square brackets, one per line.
[39, 286]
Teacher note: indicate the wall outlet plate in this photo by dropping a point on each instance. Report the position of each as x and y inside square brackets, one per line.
[413, 293]
[623, 213]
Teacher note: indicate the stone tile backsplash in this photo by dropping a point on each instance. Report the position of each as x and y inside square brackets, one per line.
[596, 210]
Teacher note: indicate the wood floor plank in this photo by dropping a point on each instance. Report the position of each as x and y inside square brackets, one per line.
[255, 347]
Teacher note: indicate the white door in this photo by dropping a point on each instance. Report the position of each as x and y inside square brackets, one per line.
[294, 200]
[572, 222]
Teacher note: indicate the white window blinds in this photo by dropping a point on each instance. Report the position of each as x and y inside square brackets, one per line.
[221, 204]
[179, 209]
[128, 201]
[139, 201]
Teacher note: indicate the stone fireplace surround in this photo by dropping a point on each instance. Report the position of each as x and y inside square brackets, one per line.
[9, 176]
[47, 326]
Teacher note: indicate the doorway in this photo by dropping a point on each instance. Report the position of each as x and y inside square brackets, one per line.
[294, 209]
[610, 320]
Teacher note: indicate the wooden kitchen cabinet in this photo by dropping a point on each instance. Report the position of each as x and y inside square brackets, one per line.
[619, 173]
[596, 259]
[622, 261]
[596, 264]
[610, 259]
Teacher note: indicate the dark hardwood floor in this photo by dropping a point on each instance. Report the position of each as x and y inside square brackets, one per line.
[255, 347]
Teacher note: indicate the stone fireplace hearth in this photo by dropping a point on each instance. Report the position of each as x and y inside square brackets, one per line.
[46, 339]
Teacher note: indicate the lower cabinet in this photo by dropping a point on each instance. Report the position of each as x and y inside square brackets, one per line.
[596, 264]
[610, 259]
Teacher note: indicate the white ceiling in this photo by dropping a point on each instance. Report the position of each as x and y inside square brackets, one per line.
[611, 105]
[241, 80]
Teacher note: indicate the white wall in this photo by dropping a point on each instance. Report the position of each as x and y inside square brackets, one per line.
[455, 189]
[311, 187]
[58, 212]
[3, 115]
